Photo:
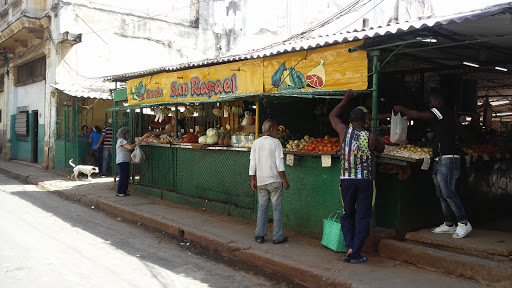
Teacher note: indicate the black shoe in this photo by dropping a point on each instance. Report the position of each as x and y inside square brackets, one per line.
[285, 239]
[260, 239]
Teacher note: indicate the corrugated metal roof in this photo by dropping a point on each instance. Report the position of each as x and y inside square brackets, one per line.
[87, 92]
[321, 41]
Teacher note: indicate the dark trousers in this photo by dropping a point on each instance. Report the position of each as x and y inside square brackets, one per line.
[357, 197]
[124, 176]
[97, 157]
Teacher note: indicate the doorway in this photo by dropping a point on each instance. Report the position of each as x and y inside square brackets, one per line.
[35, 135]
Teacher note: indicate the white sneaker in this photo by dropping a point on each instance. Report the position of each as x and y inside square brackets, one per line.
[462, 230]
[444, 229]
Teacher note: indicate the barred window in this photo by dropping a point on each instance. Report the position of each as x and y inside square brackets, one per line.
[31, 72]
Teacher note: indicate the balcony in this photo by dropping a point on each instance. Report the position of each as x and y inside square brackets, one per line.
[22, 23]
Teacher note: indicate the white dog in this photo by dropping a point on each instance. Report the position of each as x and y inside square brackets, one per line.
[86, 169]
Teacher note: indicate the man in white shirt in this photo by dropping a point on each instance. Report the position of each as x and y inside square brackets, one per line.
[268, 178]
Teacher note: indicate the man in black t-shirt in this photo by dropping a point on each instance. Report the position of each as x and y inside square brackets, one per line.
[446, 164]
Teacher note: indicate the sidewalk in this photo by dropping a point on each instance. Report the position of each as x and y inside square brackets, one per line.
[302, 259]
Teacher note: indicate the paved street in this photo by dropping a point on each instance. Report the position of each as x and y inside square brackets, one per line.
[47, 241]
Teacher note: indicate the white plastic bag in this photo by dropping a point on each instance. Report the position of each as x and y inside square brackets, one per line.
[137, 155]
[398, 132]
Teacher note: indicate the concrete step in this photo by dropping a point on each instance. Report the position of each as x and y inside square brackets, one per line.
[487, 244]
[494, 273]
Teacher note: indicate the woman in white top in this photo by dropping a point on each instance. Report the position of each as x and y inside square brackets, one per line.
[123, 160]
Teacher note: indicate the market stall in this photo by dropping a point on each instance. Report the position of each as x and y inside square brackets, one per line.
[218, 111]
[298, 86]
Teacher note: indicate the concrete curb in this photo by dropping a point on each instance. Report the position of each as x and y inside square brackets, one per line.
[482, 270]
[13, 174]
[298, 274]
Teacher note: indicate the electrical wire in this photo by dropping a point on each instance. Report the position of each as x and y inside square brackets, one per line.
[352, 7]
[151, 16]
[360, 17]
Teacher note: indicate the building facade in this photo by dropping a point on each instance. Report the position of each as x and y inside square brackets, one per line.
[52, 48]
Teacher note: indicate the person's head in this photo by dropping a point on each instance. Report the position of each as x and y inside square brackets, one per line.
[270, 128]
[435, 99]
[109, 121]
[123, 133]
[97, 129]
[357, 117]
[85, 129]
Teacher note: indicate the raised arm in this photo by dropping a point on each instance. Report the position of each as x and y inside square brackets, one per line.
[333, 116]
[414, 114]
[158, 133]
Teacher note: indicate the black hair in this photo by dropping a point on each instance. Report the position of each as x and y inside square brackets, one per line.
[437, 94]
[85, 126]
[97, 129]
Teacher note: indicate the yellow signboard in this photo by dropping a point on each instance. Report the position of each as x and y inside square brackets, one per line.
[323, 69]
[330, 68]
[200, 84]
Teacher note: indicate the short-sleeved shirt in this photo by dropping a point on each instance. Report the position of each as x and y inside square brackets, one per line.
[267, 160]
[107, 140]
[443, 126]
[122, 154]
[95, 139]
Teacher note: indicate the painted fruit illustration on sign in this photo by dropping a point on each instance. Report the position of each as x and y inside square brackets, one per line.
[316, 77]
[139, 91]
[288, 78]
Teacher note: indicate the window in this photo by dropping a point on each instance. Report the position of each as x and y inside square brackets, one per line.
[31, 72]
[366, 23]
[21, 125]
[2, 77]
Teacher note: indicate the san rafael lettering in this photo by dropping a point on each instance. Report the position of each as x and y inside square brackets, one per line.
[202, 88]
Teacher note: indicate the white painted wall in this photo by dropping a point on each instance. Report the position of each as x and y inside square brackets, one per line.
[120, 36]
[31, 96]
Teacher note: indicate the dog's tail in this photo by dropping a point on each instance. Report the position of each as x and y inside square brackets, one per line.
[71, 163]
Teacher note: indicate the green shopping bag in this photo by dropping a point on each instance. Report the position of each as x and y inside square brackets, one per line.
[332, 237]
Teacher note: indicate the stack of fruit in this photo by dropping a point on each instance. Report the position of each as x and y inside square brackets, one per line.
[326, 144]
[310, 144]
[481, 149]
[190, 138]
[295, 145]
[408, 151]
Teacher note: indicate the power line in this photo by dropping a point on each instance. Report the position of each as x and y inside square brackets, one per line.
[150, 16]
[344, 11]
[360, 17]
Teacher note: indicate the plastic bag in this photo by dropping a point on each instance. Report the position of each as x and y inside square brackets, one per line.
[398, 133]
[137, 155]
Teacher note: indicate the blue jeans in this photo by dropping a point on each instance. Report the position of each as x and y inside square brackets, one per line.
[445, 174]
[124, 176]
[274, 192]
[357, 195]
[106, 154]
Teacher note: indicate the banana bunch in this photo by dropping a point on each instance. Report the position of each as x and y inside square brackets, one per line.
[237, 110]
[189, 111]
[165, 111]
[218, 112]
[180, 115]
[283, 131]
[227, 109]
[201, 112]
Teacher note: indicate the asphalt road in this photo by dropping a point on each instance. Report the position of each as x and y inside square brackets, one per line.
[47, 241]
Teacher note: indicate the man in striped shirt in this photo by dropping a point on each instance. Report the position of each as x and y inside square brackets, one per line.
[356, 179]
[106, 139]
